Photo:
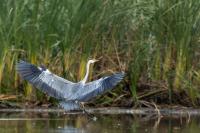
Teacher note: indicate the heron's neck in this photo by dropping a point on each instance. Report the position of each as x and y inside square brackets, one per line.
[87, 73]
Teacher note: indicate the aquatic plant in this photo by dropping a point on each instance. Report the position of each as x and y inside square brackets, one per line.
[154, 41]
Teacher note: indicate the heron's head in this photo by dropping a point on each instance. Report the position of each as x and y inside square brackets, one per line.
[93, 61]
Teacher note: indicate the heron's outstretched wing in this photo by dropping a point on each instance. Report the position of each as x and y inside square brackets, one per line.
[44, 80]
[100, 86]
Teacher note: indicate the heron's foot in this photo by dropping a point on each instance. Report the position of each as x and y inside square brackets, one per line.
[91, 116]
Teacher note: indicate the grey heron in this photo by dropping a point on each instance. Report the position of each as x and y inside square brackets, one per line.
[69, 94]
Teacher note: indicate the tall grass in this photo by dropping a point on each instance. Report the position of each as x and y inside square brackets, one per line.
[152, 40]
[171, 31]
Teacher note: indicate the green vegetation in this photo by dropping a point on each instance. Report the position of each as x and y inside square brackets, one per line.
[155, 41]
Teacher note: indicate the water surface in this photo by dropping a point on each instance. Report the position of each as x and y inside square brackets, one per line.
[42, 121]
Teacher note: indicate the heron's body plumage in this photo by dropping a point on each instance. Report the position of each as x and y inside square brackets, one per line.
[65, 91]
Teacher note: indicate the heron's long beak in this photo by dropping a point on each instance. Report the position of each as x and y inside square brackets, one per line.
[95, 60]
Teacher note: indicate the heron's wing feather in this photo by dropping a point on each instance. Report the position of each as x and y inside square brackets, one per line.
[44, 80]
[100, 86]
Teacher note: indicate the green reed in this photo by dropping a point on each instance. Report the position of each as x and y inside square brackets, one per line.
[152, 40]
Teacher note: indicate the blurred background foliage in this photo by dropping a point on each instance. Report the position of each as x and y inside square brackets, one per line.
[156, 42]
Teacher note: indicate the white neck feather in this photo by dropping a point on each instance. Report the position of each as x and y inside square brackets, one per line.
[87, 72]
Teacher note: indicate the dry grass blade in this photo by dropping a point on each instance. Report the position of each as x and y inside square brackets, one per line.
[7, 97]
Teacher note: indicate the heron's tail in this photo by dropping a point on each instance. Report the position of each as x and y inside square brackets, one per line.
[69, 105]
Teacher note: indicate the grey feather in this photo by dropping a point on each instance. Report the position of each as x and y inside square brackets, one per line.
[44, 80]
[66, 91]
[98, 87]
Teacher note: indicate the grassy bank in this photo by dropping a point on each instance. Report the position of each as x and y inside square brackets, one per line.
[155, 41]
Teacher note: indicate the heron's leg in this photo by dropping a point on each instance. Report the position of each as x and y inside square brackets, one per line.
[82, 104]
[82, 107]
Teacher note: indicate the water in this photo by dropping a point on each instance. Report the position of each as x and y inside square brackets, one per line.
[57, 121]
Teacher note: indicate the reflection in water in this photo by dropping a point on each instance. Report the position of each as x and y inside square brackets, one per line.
[57, 122]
